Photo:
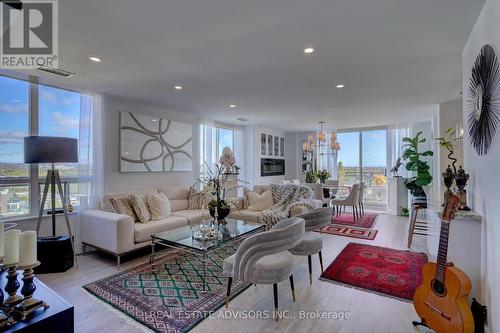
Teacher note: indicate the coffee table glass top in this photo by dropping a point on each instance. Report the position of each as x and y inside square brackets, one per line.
[182, 236]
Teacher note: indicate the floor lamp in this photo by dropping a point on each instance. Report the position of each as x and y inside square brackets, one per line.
[49, 149]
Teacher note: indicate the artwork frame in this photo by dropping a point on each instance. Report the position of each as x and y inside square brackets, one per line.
[154, 144]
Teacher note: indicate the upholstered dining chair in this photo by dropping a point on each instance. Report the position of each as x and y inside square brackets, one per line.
[312, 242]
[351, 200]
[362, 188]
[263, 258]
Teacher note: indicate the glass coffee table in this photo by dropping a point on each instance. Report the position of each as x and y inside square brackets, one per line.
[182, 239]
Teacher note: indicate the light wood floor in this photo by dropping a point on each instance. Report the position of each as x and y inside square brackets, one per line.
[369, 312]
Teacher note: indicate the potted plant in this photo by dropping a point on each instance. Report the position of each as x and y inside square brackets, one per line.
[412, 156]
[311, 177]
[323, 175]
[448, 142]
[216, 184]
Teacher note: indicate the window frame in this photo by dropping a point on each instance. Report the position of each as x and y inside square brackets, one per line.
[33, 181]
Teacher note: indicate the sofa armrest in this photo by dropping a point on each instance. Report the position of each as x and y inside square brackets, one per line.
[297, 210]
[109, 231]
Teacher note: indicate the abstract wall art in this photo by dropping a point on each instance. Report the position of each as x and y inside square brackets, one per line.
[152, 144]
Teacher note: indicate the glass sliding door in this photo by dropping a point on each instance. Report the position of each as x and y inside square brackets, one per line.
[373, 167]
[348, 166]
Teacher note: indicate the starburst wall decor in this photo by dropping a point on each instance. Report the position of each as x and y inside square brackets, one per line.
[483, 100]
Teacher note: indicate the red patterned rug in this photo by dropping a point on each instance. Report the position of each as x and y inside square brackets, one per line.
[171, 298]
[365, 221]
[347, 231]
[381, 270]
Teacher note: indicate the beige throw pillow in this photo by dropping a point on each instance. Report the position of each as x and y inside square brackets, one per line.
[159, 206]
[259, 202]
[122, 205]
[140, 204]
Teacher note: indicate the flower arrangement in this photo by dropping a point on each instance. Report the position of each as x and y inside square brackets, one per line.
[215, 185]
[323, 175]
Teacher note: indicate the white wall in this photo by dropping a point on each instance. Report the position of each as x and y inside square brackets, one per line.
[114, 180]
[484, 184]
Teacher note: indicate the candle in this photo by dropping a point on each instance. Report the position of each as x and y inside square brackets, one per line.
[2, 244]
[27, 248]
[11, 247]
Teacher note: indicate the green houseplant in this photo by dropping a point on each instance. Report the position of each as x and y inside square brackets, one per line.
[448, 142]
[412, 156]
[323, 175]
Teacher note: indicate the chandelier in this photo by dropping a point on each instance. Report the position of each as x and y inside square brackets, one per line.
[320, 145]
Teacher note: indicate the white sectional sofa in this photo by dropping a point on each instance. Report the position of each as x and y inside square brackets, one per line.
[119, 234]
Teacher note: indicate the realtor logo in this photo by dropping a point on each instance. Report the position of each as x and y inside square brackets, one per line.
[29, 34]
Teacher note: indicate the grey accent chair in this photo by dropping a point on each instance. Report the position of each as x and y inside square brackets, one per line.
[312, 242]
[263, 258]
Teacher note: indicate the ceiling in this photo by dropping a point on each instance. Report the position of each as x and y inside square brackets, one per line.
[397, 58]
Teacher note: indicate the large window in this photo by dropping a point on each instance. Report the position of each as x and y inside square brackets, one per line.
[212, 141]
[32, 109]
[363, 158]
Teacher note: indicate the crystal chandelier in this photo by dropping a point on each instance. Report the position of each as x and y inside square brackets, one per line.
[318, 145]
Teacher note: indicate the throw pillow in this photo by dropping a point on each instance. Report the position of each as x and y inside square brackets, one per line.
[122, 205]
[196, 200]
[140, 204]
[259, 202]
[159, 206]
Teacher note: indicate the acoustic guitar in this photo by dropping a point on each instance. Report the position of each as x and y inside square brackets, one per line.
[441, 300]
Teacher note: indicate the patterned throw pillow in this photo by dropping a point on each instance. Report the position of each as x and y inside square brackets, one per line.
[122, 205]
[196, 200]
[140, 204]
[159, 206]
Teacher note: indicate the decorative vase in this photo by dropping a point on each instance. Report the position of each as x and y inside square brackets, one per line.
[448, 177]
[223, 211]
[461, 179]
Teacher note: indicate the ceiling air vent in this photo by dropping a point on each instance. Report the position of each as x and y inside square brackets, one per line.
[55, 71]
[242, 119]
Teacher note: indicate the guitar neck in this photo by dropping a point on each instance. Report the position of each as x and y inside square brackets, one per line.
[442, 252]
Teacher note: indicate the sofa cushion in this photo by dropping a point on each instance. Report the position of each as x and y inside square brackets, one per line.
[143, 231]
[159, 206]
[259, 202]
[196, 200]
[193, 216]
[106, 203]
[123, 205]
[140, 203]
[178, 197]
[245, 215]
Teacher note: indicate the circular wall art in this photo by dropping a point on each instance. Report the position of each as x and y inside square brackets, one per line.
[483, 100]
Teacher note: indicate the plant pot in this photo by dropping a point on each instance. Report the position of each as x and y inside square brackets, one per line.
[222, 212]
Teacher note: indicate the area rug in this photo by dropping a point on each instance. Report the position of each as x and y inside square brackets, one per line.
[365, 221]
[347, 231]
[380, 270]
[170, 300]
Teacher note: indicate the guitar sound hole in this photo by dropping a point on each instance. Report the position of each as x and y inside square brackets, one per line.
[438, 287]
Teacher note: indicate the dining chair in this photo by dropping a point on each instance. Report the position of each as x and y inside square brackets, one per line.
[362, 188]
[264, 258]
[351, 200]
[312, 242]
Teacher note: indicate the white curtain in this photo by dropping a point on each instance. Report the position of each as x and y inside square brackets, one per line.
[90, 151]
[395, 135]
[326, 159]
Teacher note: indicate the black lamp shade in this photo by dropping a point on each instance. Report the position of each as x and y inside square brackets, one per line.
[50, 149]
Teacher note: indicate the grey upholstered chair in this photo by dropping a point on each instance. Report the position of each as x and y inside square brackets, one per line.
[362, 187]
[311, 242]
[264, 258]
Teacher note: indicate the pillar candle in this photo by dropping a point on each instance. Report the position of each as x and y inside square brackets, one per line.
[27, 248]
[2, 244]
[11, 247]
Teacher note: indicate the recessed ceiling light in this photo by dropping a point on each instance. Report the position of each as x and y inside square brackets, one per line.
[95, 59]
[340, 86]
[232, 106]
[178, 87]
[308, 50]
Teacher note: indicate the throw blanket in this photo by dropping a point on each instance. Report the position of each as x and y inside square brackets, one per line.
[284, 198]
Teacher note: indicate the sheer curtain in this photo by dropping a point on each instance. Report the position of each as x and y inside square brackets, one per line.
[395, 135]
[326, 158]
[90, 151]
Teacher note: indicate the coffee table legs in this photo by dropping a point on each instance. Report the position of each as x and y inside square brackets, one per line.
[204, 272]
[152, 257]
